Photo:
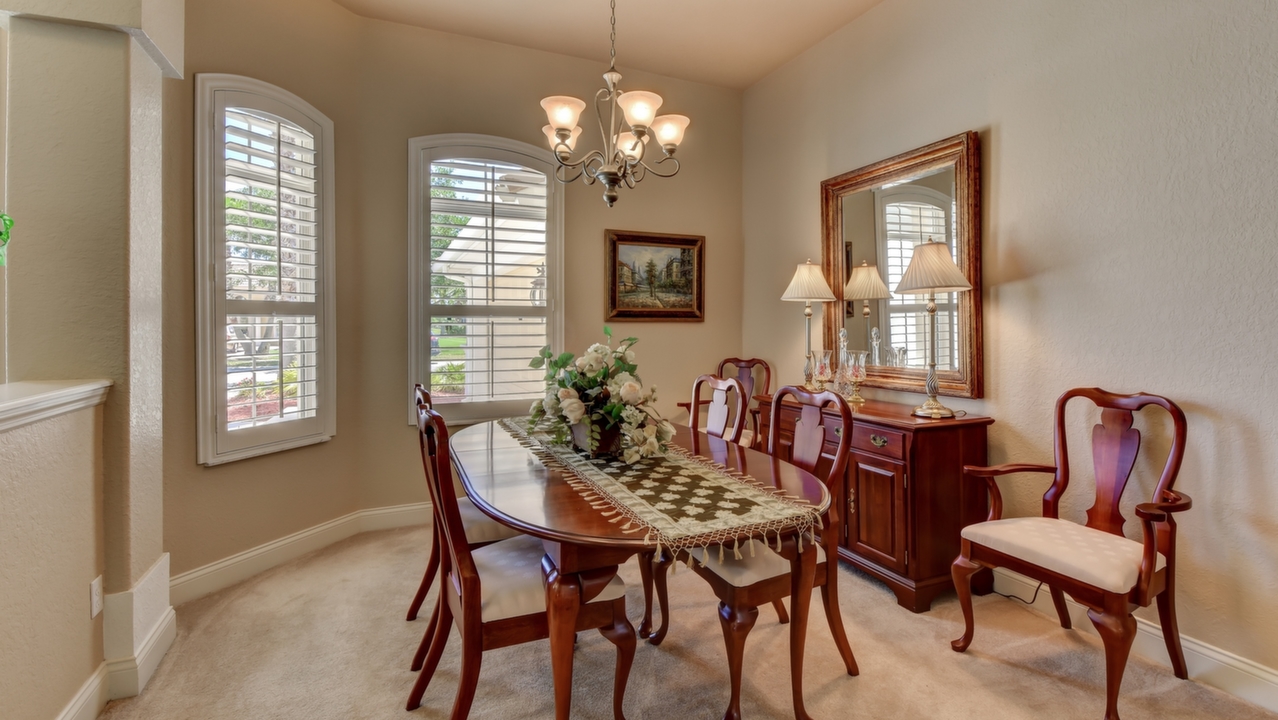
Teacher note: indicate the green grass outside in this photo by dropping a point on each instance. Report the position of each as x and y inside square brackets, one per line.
[450, 347]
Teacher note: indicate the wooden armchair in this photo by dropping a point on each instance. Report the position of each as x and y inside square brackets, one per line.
[745, 370]
[762, 576]
[495, 594]
[652, 569]
[1095, 563]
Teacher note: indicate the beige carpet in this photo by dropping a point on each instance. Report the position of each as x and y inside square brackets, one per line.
[324, 637]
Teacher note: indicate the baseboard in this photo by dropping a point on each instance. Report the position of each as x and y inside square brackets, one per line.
[1207, 664]
[90, 699]
[128, 676]
[224, 573]
[138, 627]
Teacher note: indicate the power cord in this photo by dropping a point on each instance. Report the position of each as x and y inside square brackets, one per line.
[1018, 597]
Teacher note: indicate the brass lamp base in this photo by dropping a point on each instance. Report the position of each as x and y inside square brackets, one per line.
[933, 409]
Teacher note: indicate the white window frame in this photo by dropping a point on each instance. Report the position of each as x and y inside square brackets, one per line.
[216, 444]
[421, 152]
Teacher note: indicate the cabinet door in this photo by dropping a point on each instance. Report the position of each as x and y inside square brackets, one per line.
[876, 510]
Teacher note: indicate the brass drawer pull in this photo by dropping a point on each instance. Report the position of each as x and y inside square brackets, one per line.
[878, 441]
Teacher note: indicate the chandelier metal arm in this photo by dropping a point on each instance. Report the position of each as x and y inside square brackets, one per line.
[658, 173]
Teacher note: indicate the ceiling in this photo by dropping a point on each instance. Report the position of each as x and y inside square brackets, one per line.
[731, 43]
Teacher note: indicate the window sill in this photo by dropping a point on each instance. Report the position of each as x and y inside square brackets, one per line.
[22, 403]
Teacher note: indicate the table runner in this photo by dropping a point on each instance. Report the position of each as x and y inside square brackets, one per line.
[680, 500]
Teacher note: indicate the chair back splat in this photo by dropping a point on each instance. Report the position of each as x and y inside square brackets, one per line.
[808, 448]
[719, 412]
[443, 493]
[1115, 445]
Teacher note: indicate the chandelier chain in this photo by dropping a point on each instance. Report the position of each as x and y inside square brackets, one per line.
[612, 63]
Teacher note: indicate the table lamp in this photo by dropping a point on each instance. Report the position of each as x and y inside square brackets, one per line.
[865, 284]
[932, 271]
[808, 286]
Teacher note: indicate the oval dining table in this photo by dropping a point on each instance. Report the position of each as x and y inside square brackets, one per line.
[507, 482]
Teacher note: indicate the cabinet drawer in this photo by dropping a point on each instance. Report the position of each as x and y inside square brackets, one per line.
[877, 440]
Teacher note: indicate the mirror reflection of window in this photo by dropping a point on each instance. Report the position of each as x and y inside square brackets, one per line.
[906, 216]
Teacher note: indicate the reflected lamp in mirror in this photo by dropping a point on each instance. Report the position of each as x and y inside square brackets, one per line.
[865, 285]
[808, 286]
[932, 271]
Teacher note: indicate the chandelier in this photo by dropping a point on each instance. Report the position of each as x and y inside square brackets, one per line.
[625, 139]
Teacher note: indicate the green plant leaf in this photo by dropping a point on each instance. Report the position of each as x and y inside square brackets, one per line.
[537, 362]
[564, 359]
[608, 332]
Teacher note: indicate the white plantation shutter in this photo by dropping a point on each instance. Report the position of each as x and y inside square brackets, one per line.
[265, 235]
[907, 217]
[484, 256]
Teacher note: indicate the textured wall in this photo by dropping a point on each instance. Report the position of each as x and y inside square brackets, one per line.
[1129, 175]
[382, 84]
[51, 535]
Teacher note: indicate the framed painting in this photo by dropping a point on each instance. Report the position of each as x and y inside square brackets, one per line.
[654, 276]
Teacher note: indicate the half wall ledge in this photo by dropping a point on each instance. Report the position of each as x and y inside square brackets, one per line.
[22, 403]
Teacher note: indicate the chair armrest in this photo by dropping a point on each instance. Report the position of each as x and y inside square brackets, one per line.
[685, 405]
[1008, 469]
[989, 473]
[1151, 514]
[1158, 512]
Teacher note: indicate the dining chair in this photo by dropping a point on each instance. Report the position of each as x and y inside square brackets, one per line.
[744, 373]
[1094, 562]
[722, 421]
[480, 530]
[495, 594]
[762, 575]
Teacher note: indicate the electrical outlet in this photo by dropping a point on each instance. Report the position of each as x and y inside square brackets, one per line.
[95, 597]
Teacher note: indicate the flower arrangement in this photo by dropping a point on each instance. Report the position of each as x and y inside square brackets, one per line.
[597, 401]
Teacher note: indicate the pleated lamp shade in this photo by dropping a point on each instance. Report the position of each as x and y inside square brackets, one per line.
[865, 284]
[808, 285]
[932, 270]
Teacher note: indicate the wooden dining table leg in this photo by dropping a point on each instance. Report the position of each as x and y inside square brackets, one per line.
[802, 572]
[563, 602]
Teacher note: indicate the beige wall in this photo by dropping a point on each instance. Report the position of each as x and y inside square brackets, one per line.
[51, 532]
[382, 84]
[1129, 174]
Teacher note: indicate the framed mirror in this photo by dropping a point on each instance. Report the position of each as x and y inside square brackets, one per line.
[874, 217]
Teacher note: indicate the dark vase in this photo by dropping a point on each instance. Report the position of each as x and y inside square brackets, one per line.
[609, 440]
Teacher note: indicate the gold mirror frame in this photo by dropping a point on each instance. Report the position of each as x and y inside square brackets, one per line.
[963, 152]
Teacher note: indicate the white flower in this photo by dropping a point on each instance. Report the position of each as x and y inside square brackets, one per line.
[573, 409]
[649, 432]
[632, 456]
[665, 431]
[632, 393]
[533, 408]
[616, 381]
[599, 349]
[632, 417]
[590, 363]
[551, 404]
[567, 394]
[630, 356]
[651, 447]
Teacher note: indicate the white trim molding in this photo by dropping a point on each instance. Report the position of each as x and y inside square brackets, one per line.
[90, 699]
[22, 403]
[197, 583]
[1207, 664]
[137, 629]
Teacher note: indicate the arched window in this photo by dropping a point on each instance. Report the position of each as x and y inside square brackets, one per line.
[905, 217]
[264, 270]
[484, 261]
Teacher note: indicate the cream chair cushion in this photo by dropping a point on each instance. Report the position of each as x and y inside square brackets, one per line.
[480, 528]
[510, 580]
[1104, 560]
[765, 565]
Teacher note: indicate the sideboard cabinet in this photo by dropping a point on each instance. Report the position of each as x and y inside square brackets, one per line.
[904, 499]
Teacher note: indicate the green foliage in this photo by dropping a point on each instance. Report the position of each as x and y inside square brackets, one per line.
[6, 222]
[449, 380]
[444, 228]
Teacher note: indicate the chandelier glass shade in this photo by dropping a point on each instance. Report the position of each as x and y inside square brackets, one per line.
[626, 135]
